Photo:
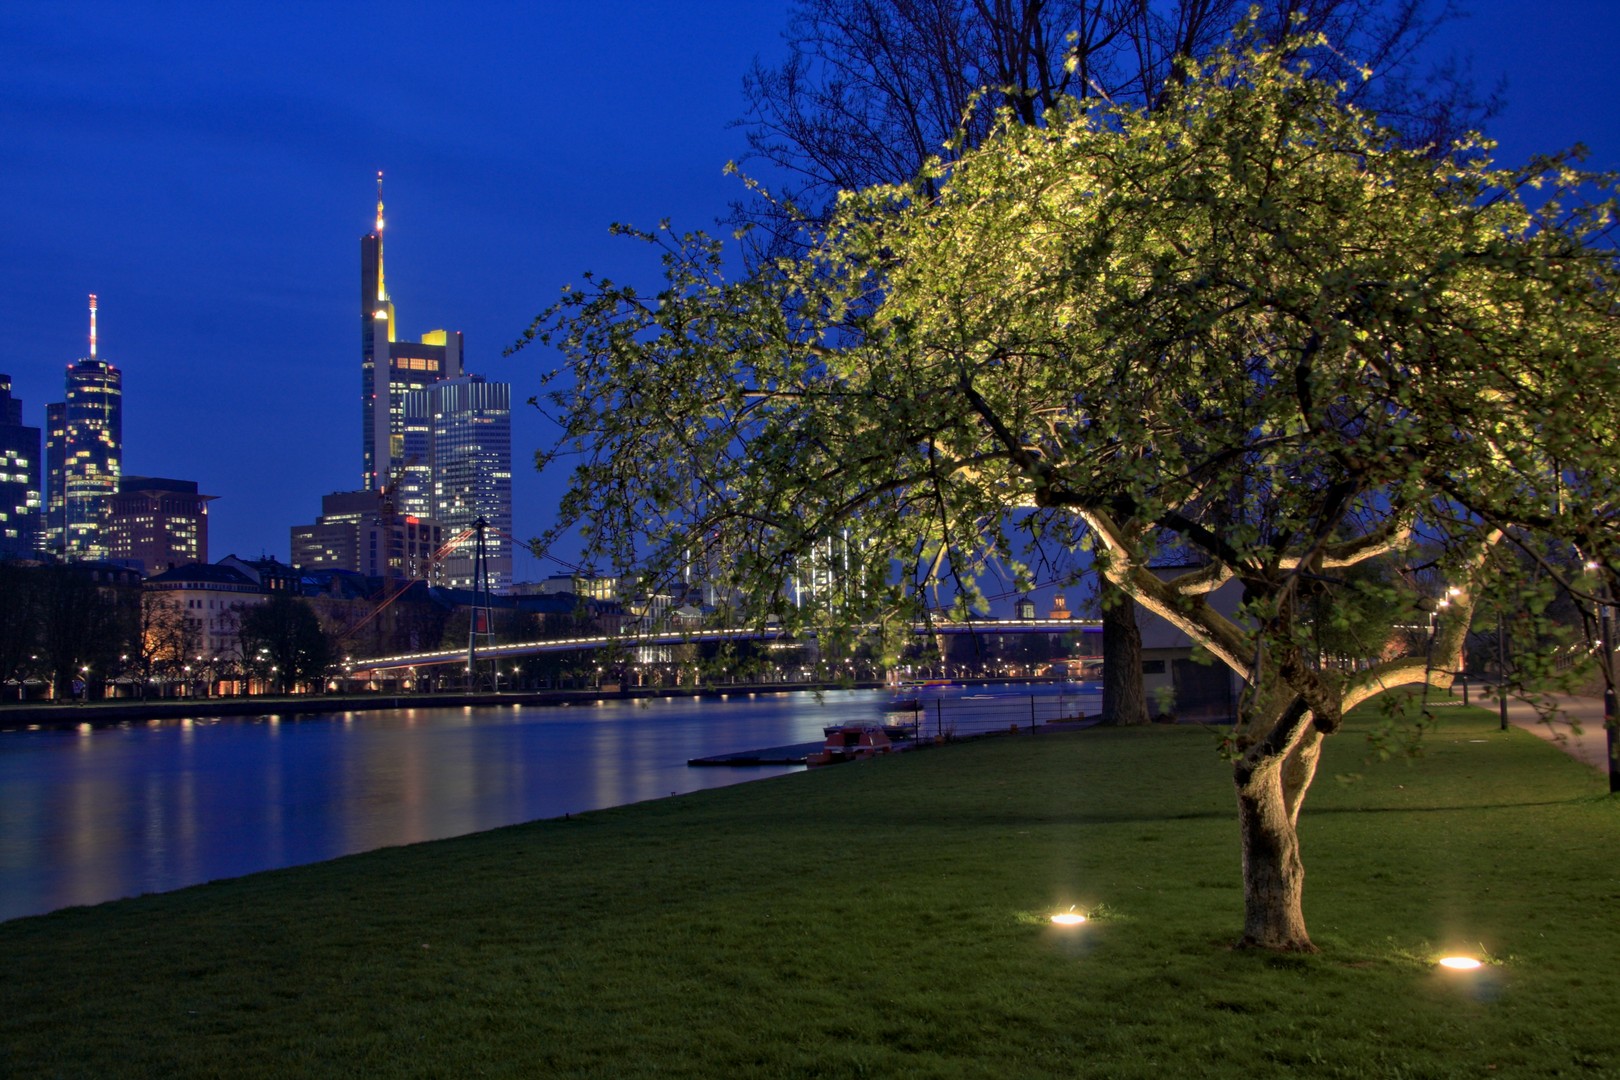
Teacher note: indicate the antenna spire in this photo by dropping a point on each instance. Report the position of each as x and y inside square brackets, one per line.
[382, 291]
[92, 326]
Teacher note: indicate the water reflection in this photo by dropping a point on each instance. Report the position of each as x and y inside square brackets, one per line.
[92, 815]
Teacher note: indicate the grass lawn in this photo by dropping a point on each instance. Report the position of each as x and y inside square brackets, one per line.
[889, 919]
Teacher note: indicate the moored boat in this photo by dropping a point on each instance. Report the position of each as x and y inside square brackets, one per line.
[851, 742]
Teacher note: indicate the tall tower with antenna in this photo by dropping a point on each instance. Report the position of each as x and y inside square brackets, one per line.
[84, 455]
[376, 335]
[389, 369]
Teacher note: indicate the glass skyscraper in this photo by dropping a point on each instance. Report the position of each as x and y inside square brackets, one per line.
[462, 429]
[84, 453]
[20, 493]
[438, 442]
[390, 369]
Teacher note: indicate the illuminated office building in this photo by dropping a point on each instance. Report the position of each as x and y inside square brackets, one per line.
[158, 524]
[363, 532]
[462, 430]
[84, 449]
[20, 493]
[436, 442]
[390, 369]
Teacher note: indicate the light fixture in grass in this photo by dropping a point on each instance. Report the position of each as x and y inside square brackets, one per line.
[1460, 963]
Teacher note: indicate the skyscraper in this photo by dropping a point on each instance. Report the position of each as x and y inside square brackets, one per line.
[84, 455]
[436, 445]
[462, 429]
[20, 493]
[389, 369]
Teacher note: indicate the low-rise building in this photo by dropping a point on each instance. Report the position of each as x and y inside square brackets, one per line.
[211, 598]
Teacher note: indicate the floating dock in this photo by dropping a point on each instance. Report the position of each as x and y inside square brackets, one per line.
[771, 755]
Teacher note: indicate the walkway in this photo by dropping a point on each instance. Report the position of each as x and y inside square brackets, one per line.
[1589, 745]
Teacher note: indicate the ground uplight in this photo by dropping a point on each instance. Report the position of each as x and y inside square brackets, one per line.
[1068, 918]
[1460, 963]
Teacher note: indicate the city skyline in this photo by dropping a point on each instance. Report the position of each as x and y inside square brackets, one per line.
[210, 191]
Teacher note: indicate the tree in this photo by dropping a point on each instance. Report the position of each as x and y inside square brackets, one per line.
[85, 621]
[1108, 329]
[872, 91]
[285, 630]
[163, 640]
[19, 622]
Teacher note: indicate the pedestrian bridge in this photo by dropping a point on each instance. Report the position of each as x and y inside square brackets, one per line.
[691, 637]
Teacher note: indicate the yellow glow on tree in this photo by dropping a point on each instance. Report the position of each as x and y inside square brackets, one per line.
[1247, 324]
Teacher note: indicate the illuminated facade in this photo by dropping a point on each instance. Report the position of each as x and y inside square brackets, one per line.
[462, 430]
[362, 532]
[211, 598]
[20, 492]
[435, 443]
[84, 455]
[389, 370]
[158, 524]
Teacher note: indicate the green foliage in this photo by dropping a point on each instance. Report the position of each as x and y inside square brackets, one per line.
[1248, 320]
[1400, 725]
[1355, 618]
[1249, 324]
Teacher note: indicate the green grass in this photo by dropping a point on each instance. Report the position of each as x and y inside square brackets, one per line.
[888, 919]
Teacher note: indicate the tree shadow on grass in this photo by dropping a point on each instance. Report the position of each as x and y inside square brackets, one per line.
[1448, 808]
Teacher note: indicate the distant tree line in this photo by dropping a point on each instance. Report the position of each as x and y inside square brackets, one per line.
[95, 623]
[58, 623]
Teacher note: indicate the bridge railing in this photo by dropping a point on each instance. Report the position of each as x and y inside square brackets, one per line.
[694, 636]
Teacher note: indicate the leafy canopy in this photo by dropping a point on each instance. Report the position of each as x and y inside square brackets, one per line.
[1248, 320]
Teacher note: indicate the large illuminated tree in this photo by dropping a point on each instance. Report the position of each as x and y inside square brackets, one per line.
[871, 91]
[1247, 323]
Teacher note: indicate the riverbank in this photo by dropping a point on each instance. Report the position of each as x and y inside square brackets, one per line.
[111, 712]
[889, 918]
[66, 714]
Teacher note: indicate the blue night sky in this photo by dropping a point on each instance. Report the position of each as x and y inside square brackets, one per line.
[208, 169]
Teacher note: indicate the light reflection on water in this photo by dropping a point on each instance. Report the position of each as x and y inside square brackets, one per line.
[88, 815]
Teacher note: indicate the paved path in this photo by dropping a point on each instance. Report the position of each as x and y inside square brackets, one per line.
[1590, 745]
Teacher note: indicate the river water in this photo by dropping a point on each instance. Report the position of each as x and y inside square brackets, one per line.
[97, 813]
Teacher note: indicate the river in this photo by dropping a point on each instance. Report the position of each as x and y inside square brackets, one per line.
[98, 813]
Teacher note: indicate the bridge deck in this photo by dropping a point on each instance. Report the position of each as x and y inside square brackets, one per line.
[639, 641]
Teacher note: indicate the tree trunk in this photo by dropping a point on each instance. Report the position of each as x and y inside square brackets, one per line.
[1123, 699]
[1273, 873]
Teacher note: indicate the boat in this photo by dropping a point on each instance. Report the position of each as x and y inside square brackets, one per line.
[850, 742]
[901, 729]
